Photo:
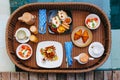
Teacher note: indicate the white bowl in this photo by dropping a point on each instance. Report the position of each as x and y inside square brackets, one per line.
[92, 16]
[27, 34]
[96, 49]
[18, 48]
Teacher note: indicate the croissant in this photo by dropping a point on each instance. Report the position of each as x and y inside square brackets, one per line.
[78, 34]
[85, 36]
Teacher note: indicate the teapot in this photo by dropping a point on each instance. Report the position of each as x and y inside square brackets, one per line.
[83, 58]
[28, 18]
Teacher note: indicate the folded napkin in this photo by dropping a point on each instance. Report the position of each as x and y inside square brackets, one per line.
[42, 21]
[68, 48]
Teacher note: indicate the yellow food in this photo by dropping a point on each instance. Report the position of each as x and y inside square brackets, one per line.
[61, 29]
[65, 25]
[33, 38]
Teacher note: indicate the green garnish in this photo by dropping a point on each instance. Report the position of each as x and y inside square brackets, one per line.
[54, 26]
[24, 52]
[93, 25]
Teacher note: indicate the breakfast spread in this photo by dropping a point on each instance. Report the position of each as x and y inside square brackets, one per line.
[59, 22]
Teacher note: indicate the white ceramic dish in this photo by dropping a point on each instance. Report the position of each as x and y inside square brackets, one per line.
[49, 64]
[92, 16]
[26, 39]
[96, 49]
[18, 48]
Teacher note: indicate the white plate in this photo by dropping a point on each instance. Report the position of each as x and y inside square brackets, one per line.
[27, 34]
[49, 64]
[96, 49]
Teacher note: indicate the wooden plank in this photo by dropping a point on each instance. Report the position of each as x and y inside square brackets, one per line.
[70, 76]
[61, 77]
[116, 75]
[99, 75]
[23, 76]
[33, 76]
[5, 76]
[89, 75]
[80, 76]
[51, 76]
[43, 76]
[14, 75]
[107, 75]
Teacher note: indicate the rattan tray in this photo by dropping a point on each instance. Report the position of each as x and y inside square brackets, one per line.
[79, 12]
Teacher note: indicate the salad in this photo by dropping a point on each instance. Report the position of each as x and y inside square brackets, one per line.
[92, 21]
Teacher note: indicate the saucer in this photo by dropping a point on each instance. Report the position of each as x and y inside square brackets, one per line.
[96, 49]
[27, 35]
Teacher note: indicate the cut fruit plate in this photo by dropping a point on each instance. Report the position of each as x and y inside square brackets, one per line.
[49, 63]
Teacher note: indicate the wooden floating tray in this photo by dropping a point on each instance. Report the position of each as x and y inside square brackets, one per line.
[79, 12]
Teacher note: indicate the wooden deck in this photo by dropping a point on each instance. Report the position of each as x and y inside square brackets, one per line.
[93, 75]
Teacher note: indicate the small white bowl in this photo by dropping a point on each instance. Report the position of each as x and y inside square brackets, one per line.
[19, 47]
[27, 35]
[94, 21]
[96, 49]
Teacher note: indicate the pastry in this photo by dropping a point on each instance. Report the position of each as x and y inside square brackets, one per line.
[78, 34]
[85, 36]
[62, 15]
[33, 29]
[33, 38]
